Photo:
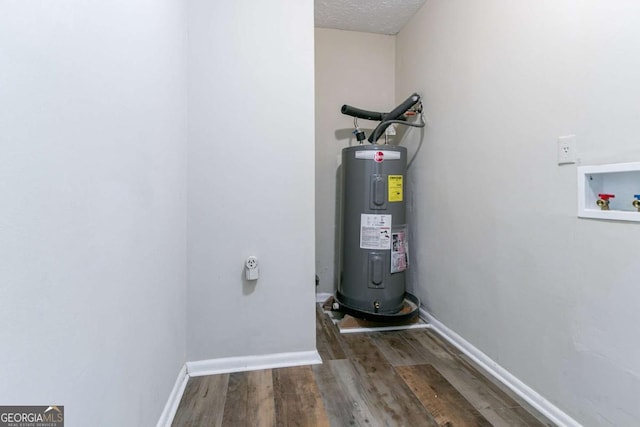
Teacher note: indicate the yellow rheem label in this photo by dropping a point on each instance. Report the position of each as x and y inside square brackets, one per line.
[395, 188]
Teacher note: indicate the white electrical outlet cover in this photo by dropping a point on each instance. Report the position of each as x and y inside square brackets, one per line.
[566, 149]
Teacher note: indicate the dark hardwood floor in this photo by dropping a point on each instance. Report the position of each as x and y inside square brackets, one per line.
[402, 378]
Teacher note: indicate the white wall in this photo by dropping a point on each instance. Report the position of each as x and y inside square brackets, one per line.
[351, 68]
[92, 206]
[251, 178]
[501, 257]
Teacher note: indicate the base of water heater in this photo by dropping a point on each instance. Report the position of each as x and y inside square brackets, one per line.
[410, 309]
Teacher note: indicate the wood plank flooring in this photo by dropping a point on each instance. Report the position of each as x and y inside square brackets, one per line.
[403, 378]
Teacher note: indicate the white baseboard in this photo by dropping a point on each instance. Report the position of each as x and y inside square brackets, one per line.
[170, 408]
[541, 404]
[252, 363]
[228, 365]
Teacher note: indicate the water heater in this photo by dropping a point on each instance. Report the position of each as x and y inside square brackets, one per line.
[374, 231]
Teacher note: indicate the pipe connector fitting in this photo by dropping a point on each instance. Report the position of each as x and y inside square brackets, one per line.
[603, 201]
[636, 202]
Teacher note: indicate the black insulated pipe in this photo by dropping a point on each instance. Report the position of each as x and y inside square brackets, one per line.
[402, 108]
[361, 114]
[395, 114]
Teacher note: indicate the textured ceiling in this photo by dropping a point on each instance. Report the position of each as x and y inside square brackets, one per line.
[369, 16]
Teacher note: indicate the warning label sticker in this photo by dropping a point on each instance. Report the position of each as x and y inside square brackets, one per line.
[395, 188]
[399, 250]
[375, 231]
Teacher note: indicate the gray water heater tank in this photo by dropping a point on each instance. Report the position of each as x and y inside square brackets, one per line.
[374, 248]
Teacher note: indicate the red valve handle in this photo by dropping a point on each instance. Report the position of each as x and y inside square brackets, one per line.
[606, 196]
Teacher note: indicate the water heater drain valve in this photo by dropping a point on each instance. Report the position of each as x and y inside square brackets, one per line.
[251, 270]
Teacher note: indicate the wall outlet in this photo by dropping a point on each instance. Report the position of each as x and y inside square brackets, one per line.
[566, 149]
[251, 270]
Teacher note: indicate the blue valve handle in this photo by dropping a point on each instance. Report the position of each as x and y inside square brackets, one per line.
[637, 196]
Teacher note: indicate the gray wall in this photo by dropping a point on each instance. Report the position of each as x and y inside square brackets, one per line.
[92, 206]
[351, 68]
[501, 257]
[251, 178]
